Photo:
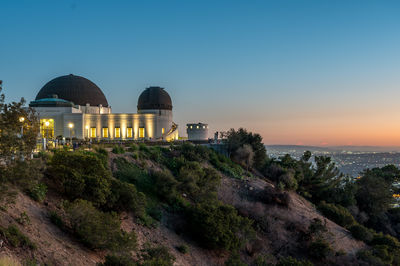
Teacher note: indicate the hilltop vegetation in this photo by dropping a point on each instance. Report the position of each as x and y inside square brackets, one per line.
[186, 204]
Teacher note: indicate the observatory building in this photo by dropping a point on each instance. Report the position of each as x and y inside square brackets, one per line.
[73, 106]
[197, 132]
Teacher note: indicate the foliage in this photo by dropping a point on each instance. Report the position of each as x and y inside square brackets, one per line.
[361, 233]
[97, 229]
[15, 238]
[218, 226]
[157, 256]
[236, 139]
[56, 219]
[234, 260]
[118, 149]
[374, 195]
[129, 172]
[13, 145]
[38, 192]
[23, 219]
[81, 175]
[337, 213]
[183, 248]
[290, 261]
[125, 197]
[319, 249]
[117, 260]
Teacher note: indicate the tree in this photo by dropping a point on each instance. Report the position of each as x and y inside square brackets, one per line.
[375, 190]
[19, 128]
[245, 155]
[236, 139]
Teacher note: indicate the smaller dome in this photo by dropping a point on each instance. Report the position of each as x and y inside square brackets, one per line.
[154, 98]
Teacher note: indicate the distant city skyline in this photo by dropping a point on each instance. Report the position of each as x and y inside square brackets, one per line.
[318, 73]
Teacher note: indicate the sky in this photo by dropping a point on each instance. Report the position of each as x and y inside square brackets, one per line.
[296, 72]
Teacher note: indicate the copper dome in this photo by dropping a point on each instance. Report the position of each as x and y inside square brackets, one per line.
[154, 98]
[76, 89]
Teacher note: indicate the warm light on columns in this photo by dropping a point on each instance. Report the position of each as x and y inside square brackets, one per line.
[70, 125]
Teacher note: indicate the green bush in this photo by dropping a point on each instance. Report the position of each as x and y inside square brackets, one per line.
[38, 192]
[131, 173]
[183, 249]
[164, 185]
[81, 175]
[118, 260]
[337, 213]
[361, 233]
[125, 197]
[118, 149]
[319, 249]
[370, 258]
[218, 226]
[15, 238]
[234, 260]
[133, 148]
[56, 219]
[381, 239]
[289, 261]
[143, 147]
[97, 229]
[157, 256]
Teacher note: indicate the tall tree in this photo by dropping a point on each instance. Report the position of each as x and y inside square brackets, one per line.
[19, 128]
[236, 139]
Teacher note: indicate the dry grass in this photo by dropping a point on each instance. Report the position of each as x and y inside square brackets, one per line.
[9, 261]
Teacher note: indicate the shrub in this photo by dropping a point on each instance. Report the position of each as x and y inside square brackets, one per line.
[183, 249]
[319, 249]
[218, 226]
[390, 241]
[38, 192]
[234, 260]
[361, 233]
[81, 175]
[158, 255]
[97, 229]
[131, 173]
[15, 238]
[370, 258]
[125, 197]
[118, 149]
[164, 185]
[23, 219]
[118, 260]
[133, 148]
[56, 219]
[289, 261]
[337, 213]
[143, 147]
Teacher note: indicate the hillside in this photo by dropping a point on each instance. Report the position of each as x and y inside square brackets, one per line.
[280, 221]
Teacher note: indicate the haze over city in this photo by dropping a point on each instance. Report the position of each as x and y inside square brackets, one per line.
[325, 73]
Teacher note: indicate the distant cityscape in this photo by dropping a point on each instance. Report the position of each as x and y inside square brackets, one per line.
[349, 159]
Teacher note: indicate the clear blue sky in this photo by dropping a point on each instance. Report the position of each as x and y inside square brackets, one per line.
[305, 72]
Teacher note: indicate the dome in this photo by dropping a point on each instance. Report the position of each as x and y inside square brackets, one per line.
[154, 98]
[76, 89]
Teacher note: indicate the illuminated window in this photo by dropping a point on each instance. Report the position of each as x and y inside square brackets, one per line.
[92, 132]
[47, 128]
[129, 132]
[162, 130]
[141, 132]
[105, 132]
[117, 132]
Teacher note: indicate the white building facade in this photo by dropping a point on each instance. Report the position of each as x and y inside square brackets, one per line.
[74, 107]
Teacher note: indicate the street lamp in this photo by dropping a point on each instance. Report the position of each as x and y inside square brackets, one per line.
[70, 126]
[21, 120]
